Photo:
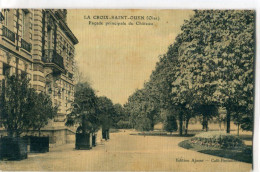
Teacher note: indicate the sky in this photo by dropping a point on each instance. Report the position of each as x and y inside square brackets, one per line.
[117, 60]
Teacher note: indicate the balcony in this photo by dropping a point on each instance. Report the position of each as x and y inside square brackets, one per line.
[52, 56]
[25, 45]
[8, 34]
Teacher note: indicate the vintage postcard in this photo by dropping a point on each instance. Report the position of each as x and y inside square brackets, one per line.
[127, 90]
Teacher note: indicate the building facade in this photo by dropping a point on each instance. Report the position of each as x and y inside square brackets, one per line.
[39, 43]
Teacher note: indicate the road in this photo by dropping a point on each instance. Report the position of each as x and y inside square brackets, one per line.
[125, 152]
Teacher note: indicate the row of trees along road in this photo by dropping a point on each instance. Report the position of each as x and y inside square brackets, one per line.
[22, 108]
[90, 112]
[209, 65]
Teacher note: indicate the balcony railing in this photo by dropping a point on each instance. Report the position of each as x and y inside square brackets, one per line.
[8, 34]
[52, 56]
[25, 45]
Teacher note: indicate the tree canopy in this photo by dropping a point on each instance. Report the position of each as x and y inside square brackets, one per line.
[84, 112]
[209, 65]
[22, 108]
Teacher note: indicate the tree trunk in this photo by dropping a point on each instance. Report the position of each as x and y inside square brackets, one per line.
[228, 121]
[152, 125]
[186, 126]
[206, 124]
[180, 123]
[203, 122]
[39, 130]
[238, 125]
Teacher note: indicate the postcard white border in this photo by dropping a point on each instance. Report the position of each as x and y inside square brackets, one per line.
[163, 4]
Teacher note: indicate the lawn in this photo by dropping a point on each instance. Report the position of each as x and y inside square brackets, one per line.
[238, 155]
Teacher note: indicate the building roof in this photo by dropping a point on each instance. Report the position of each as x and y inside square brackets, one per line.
[61, 16]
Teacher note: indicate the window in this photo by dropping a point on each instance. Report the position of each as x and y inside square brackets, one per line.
[49, 34]
[35, 78]
[6, 69]
[6, 18]
[23, 23]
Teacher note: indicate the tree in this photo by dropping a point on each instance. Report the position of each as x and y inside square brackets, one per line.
[208, 112]
[121, 117]
[22, 107]
[242, 117]
[43, 111]
[210, 65]
[172, 88]
[120, 114]
[152, 104]
[143, 109]
[170, 124]
[18, 98]
[236, 61]
[216, 54]
[107, 112]
[84, 112]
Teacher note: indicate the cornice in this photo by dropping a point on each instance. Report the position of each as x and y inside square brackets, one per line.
[64, 27]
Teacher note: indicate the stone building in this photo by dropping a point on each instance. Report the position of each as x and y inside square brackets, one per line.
[39, 43]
